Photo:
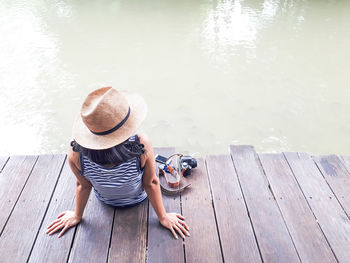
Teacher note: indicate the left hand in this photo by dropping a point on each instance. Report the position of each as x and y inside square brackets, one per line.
[65, 220]
[175, 221]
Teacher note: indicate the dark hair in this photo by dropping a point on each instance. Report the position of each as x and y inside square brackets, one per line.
[115, 155]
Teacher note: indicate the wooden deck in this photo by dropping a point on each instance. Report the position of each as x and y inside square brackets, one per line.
[241, 207]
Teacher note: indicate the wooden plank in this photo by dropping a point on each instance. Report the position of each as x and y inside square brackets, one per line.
[337, 176]
[162, 246]
[51, 248]
[271, 232]
[129, 234]
[328, 212]
[203, 245]
[346, 160]
[236, 233]
[91, 242]
[3, 161]
[21, 230]
[308, 238]
[12, 179]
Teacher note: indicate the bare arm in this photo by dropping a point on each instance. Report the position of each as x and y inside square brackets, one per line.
[67, 219]
[151, 184]
[83, 186]
[150, 181]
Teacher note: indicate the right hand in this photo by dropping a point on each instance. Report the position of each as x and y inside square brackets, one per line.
[64, 220]
[175, 221]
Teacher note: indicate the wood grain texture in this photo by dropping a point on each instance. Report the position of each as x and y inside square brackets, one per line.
[21, 230]
[308, 238]
[236, 233]
[12, 180]
[203, 244]
[337, 176]
[162, 246]
[3, 161]
[51, 248]
[129, 234]
[346, 160]
[34, 191]
[328, 212]
[271, 232]
[91, 242]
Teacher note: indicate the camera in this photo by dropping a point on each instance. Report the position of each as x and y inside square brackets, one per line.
[187, 163]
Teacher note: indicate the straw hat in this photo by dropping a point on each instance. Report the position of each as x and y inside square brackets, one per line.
[108, 117]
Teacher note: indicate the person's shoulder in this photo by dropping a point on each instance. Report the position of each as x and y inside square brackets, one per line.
[144, 139]
[74, 158]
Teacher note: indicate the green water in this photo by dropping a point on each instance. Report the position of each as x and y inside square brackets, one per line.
[273, 74]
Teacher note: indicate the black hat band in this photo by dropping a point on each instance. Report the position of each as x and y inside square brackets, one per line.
[120, 124]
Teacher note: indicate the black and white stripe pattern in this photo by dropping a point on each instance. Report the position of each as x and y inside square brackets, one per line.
[119, 185]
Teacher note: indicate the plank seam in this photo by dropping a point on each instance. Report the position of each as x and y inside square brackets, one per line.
[330, 187]
[342, 160]
[279, 209]
[77, 231]
[110, 237]
[73, 239]
[246, 207]
[2, 168]
[147, 223]
[310, 205]
[183, 242]
[181, 211]
[213, 205]
[36, 160]
[47, 208]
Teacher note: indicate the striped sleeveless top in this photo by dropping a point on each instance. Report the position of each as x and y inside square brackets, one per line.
[120, 185]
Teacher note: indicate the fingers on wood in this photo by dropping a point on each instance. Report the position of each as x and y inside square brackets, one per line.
[62, 214]
[179, 231]
[180, 216]
[56, 228]
[63, 230]
[173, 231]
[54, 222]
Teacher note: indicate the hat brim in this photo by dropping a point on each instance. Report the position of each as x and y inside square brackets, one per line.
[138, 112]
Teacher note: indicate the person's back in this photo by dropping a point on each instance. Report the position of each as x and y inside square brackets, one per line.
[118, 185]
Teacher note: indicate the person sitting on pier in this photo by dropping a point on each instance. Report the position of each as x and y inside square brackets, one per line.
[107, 155]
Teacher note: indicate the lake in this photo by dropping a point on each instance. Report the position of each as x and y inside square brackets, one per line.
[273, 74]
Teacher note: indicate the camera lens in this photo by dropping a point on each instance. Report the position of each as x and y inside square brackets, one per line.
[194, 163]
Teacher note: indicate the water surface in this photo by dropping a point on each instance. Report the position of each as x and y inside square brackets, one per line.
[273, 74]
